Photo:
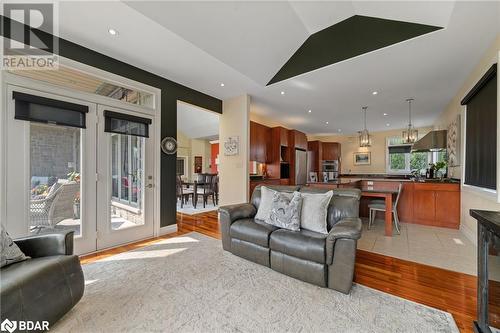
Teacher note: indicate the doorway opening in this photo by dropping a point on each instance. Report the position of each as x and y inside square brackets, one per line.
[197, 178]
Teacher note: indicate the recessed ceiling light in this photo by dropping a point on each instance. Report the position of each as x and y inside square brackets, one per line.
[222, 84]
[387, 124]
[326, 122]
[309, 111]
[282, 92]
[340, 130]
[385, 114]
[375, 92]
[112, 32]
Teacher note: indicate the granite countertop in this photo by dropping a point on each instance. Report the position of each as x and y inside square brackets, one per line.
[347, 180]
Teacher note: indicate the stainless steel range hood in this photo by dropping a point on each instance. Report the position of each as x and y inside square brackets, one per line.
[432, 141]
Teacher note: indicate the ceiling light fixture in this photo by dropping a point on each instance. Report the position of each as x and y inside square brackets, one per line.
[309, 111]
[410, 135]
[385, 114]
[222, 84]
[387, 124]
[282, 92]
[364, 136]
[375, 93]
[112, 32]
[340, 130]
[326, 122]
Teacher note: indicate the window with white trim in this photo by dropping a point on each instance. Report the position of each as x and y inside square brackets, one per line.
[401, 160]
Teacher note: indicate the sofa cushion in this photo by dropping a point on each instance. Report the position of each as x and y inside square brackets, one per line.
[252, 231]
[285, 212]
[266, 202]
[314, 211]
[11, 253]
[303, 244]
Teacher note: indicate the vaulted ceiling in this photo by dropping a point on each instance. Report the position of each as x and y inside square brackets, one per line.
[245, 44]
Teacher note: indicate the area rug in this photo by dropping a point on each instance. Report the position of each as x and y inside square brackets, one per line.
[190, 210]
[189, 284]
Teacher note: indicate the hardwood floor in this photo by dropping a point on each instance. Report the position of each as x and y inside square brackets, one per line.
[442, 289]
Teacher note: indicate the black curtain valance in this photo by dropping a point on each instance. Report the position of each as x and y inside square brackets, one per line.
[399, 149]
[49, 111]
[115, 122]
[481, 133]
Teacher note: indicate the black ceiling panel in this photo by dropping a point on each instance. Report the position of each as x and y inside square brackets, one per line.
[347, 39]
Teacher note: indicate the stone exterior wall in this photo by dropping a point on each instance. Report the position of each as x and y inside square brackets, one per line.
[55, 150]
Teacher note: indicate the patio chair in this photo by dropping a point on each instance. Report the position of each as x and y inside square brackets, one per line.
[55, 207]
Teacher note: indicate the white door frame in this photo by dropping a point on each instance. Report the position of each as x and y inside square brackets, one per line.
[7, 78]
[107, 237]
[19, 164]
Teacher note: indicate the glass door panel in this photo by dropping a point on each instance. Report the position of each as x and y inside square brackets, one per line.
[51, 173]
[125, 190]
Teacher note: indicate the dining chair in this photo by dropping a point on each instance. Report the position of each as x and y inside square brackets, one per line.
[183, 193]
[206, 189]
[380, 207]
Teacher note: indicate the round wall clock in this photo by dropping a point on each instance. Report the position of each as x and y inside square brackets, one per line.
[169, 145]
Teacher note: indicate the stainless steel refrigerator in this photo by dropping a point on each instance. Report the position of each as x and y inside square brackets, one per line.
[300, 167]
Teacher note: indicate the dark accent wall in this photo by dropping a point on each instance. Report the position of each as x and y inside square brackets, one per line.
[171, 92]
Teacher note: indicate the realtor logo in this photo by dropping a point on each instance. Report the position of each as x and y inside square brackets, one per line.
[29, 32]
[8, 326]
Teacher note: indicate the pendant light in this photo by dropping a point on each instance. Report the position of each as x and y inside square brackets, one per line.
[364, 136]
[410, 135]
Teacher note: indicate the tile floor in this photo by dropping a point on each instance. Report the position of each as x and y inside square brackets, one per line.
[439, 247]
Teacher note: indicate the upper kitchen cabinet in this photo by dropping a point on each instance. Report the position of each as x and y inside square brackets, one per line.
[330, 151]
[259, 138]
[297, 139]
[315, 153]
[280, 134]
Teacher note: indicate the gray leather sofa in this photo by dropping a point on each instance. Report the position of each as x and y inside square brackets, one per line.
[46, 286]
[324, 260]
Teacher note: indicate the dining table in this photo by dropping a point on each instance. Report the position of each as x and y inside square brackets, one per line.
[387, 196]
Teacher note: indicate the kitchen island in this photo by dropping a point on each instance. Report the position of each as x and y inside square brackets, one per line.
[429, 202]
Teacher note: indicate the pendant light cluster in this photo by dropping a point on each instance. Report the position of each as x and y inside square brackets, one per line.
[364, 136]
[410, 135]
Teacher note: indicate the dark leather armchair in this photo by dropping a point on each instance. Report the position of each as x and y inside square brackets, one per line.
[45, 287]
[324, 260]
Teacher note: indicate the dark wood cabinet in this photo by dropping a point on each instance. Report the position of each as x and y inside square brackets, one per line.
[315, 152]
[255, 183]
[260, 136]
[331, 151]
[297, 140]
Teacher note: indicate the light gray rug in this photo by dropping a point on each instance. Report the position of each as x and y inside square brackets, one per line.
[189, 284]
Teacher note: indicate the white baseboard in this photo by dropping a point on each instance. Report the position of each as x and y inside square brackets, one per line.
[168, 229]
[469, 233]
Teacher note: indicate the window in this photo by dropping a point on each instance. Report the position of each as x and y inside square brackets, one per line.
[481, 133]
[181, 166]
[400, 159]
[127, 169]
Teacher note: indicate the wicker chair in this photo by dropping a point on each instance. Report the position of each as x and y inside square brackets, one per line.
[55, 207]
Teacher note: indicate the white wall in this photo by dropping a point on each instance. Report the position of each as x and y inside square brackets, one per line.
[349, 144]
[471, 199]
[233, 170]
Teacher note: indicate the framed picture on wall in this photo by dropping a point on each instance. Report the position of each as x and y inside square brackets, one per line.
[362, 158]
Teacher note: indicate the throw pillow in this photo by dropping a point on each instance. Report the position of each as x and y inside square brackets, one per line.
[314, 211]
[266, 201]
[10, 251]
[285, 212]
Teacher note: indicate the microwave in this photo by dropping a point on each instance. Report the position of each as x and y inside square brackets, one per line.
[330, 166]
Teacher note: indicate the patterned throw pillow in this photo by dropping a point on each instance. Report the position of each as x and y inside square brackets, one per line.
[266, 199]
[10, 251]
[285, 211]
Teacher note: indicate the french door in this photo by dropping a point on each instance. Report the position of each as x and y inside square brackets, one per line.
[79, 170]
[125, 168]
